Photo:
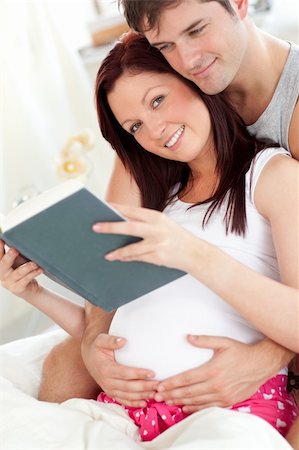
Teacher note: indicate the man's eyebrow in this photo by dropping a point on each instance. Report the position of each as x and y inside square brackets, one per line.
[185, 30]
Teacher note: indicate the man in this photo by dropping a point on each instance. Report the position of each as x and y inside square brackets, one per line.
[214, 44]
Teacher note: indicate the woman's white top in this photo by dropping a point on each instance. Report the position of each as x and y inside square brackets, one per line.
[155, 325]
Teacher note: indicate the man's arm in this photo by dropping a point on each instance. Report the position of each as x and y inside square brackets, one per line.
[127, 385]
[122, 188]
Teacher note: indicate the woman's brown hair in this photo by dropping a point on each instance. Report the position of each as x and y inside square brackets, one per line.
[155, 176]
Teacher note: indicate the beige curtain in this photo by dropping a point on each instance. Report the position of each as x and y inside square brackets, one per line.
[46, 96]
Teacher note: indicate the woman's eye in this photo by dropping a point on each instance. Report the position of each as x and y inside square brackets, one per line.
[157, 101]
[135, 127]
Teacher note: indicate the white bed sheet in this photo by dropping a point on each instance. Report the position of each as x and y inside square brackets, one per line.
[78, 424]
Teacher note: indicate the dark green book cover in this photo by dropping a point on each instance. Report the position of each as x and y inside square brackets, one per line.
[60, 239]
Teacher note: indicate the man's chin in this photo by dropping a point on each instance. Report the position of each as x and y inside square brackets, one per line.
[210, 90]
[209, 87]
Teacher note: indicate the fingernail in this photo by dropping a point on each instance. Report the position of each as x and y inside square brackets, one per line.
[192, 337]
[150, 375]
[161, 388]
[109, 256]
[118, 340]
[96, 227]
[159, 398]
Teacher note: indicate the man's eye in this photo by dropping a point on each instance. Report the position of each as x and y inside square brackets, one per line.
[135, 127]
[164, 47]
[197, 31]
[156, 102]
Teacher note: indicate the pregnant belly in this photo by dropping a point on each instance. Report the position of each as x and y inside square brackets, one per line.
[156, 327]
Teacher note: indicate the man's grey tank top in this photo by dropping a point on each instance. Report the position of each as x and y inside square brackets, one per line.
[273, 124]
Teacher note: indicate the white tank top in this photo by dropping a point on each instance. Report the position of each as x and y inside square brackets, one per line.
[155, 325]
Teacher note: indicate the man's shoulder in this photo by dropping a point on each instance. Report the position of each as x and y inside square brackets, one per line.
[294, 47]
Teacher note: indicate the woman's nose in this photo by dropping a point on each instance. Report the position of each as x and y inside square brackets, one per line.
[156, 127]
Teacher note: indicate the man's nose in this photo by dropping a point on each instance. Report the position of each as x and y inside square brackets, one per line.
[190, 55]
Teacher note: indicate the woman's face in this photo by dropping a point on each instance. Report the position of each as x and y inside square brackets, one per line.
[163, 114]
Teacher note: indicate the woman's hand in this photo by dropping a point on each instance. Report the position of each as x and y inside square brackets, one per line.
[233, 374]
[20, 280]
[128, 385]
[164, 242]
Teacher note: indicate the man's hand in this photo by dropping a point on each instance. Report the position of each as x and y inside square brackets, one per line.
[234, 373]
[128, 385]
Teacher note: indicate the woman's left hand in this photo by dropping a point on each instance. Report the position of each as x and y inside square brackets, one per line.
[233, 374]
[164, 242]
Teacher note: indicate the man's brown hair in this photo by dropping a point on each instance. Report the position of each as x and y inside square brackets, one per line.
[136, 11]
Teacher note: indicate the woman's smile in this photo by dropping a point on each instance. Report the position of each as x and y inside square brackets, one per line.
[175, 138]
[163, 114]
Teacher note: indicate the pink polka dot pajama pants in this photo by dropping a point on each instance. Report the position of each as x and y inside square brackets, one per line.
[271, 402]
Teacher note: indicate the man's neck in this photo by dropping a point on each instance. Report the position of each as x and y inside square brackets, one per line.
[253, 88]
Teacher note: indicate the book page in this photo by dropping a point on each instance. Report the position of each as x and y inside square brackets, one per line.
[37, 204]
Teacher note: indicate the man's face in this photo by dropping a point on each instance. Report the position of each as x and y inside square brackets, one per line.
[203, 42]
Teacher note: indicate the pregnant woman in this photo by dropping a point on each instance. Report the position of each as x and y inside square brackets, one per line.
[220, 216]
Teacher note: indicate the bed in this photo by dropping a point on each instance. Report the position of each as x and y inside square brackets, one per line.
[79, 424]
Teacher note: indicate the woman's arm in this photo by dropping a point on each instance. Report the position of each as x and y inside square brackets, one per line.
[67, 314]
[22, 282]
[89, 324]
[275, 307]
[271, 306]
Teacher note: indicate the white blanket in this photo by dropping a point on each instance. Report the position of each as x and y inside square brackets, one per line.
[77, 424]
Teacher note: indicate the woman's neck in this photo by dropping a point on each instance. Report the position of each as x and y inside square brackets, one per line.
[203, 179]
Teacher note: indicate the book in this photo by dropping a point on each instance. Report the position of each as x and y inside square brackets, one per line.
[54, 229]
